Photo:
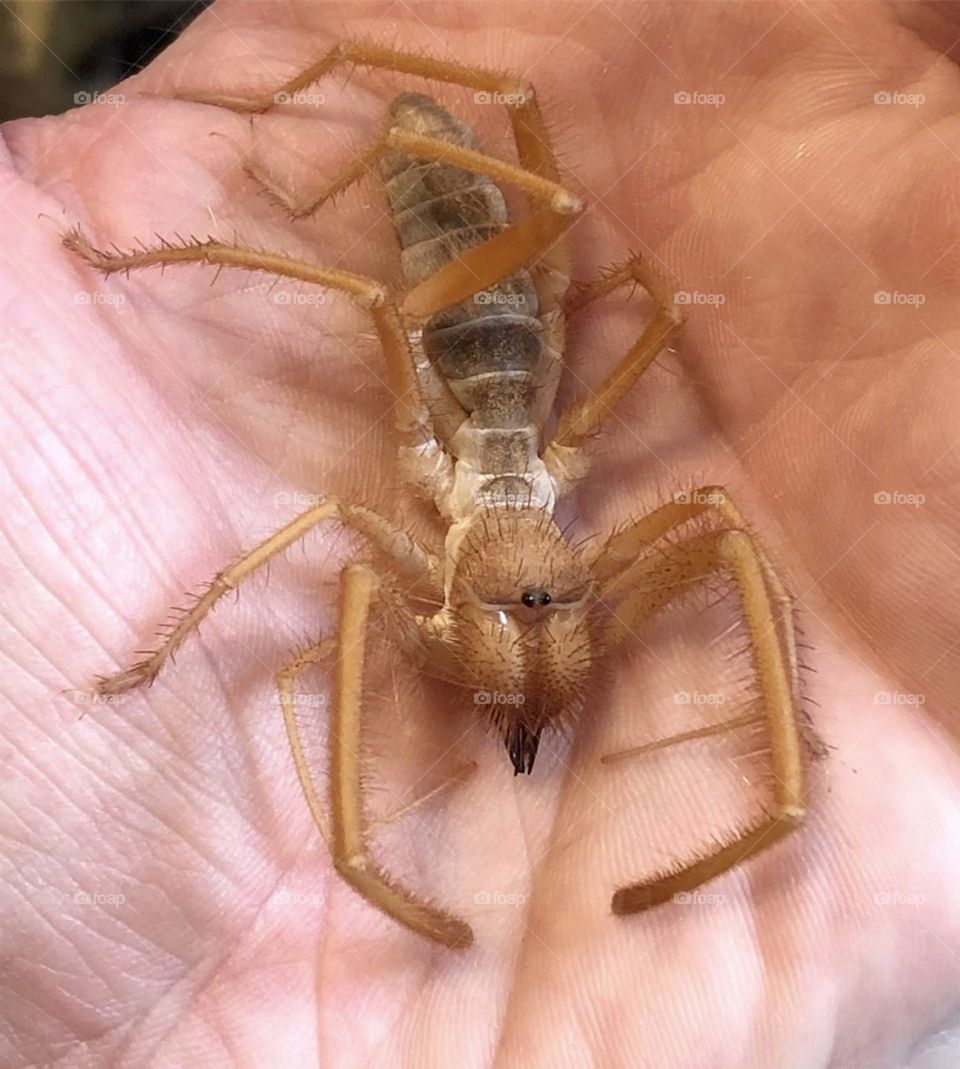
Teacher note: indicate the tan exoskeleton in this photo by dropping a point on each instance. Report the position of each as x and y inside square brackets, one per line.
[474, 353]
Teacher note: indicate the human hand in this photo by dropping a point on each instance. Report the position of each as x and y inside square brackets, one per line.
[164, 433]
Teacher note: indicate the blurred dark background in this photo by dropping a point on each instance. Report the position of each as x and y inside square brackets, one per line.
[55, 54]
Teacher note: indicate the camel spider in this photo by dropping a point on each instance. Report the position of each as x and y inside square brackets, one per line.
[473, 348]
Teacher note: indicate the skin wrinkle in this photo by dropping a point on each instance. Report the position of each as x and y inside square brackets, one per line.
[47, 919]
[27, 758]
[33, 574]
[16, 629]
[143, 540]
[212, 972]
[37, 440]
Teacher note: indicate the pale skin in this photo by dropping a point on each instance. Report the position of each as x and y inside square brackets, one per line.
[186, 796]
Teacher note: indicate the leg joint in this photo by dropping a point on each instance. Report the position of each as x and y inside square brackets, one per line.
[516, 94]
[733, 542]
[352, 866]
[792, 815]
[222, 584]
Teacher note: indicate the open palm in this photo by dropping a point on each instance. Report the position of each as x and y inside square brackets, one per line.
[166, 899]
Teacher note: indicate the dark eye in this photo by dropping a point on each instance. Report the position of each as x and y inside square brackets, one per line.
[530, 598]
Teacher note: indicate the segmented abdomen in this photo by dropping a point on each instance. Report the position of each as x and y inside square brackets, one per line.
[488, 348]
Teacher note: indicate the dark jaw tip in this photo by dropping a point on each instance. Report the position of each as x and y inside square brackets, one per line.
[522, 745]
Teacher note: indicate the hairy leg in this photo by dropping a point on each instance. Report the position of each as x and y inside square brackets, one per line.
[583, 419]
[349, 830]
[660, 576]
[408, 557]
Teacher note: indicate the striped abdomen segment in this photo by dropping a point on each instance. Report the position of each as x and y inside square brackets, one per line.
[488, 347]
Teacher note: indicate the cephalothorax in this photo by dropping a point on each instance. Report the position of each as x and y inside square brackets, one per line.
[474, 352]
